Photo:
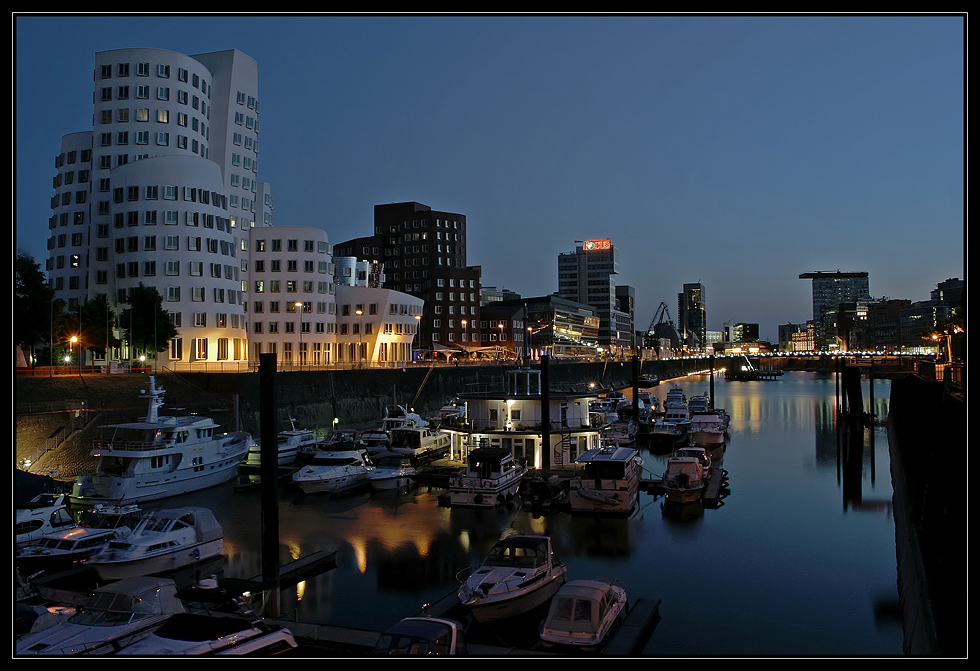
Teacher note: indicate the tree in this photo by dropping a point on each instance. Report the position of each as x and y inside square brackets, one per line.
[145, 324]
[97, 320]
[34, 303]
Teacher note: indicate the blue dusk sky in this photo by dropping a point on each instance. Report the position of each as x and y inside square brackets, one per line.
[736, 151]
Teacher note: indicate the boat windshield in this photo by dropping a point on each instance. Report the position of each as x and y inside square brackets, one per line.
[393, 462]
[437, 640]
[572, 614]
[405, 439]
[525, 554]
[335, 461]
[101, 520]
[105, 618]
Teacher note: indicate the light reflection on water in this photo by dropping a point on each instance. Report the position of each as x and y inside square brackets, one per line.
[787, 565]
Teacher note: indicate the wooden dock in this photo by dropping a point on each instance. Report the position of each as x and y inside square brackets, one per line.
[305, 567]
[630, 637]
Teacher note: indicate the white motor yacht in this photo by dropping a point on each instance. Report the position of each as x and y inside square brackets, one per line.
[608, 481]
[59, 550]
[290, 444]
[164, 541]
[334, 472]
[44, 514]
[392, 472]
[583, 613]
[683, 479]
[520, 573]
[116, 614]
[492, 478]
[160, 457]
[419, 441]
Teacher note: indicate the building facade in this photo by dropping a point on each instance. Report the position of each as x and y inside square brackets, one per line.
[423, 253]
[161, 192]
[829, 290]
[692, 317]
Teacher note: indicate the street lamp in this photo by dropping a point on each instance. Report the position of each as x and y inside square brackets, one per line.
[358, 325]
[299, 306]
[71, 347]
[418, 333]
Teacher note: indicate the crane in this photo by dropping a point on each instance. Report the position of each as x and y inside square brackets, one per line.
[662, 328]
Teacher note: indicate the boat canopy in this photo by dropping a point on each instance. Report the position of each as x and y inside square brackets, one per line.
[580, 606]
[202, 519]
[137, 595]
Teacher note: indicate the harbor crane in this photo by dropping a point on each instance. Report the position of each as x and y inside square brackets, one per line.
[661, 328]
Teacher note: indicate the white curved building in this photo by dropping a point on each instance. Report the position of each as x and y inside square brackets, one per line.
[162, 192]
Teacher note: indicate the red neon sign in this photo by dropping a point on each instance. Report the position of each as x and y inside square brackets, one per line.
[594, 245]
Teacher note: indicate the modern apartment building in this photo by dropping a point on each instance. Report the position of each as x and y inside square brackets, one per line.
[588, 276]
[422, 252]
[298, 312]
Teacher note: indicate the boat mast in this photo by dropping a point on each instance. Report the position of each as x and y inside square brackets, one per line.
[156, 401]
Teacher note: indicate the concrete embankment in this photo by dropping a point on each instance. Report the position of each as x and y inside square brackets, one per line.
[45, 406]
[928, 453]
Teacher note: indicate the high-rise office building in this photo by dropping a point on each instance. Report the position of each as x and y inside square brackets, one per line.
[692, 318]
[423, 253]
[588, 276]
[830, 289]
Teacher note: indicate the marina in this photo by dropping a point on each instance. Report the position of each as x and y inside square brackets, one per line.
[377, 557]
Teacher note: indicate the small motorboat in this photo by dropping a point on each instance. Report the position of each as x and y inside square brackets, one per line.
[699, 453]
[164, 541]
[608, 481]
[44, 514]
[290, 445]
[683, 479]
[392, 472]
[583, 613]
[334, 472]
[419, 441]
[59, 550]
[492, 478]
[375, 441]
[520, 573]
[200, 634]
[421, 637]
[398, 415]
[116, 614]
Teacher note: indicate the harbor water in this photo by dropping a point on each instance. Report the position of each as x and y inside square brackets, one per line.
[785, 565]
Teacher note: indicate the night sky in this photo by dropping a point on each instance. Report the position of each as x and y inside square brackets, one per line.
[735, 151]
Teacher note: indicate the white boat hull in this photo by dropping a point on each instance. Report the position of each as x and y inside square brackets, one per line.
[108, 490]
[682, 495]
[392, 483]
[335, 486]
[475, 493]
[111, 490]
[488, 609]
[586, 499]
[164, 562]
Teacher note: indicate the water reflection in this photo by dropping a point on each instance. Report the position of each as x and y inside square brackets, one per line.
[794, 546]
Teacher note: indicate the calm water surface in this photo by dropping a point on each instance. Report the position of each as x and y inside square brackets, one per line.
[785, 566]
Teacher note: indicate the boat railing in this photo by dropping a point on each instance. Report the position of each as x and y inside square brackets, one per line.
[130, 445]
